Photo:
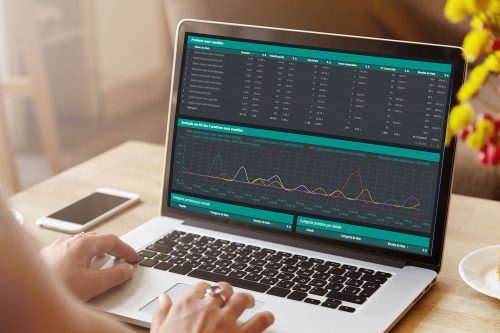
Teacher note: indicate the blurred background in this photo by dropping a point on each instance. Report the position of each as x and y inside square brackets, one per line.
[80, 77]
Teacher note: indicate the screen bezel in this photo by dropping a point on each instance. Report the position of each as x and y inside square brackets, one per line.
[391, 48]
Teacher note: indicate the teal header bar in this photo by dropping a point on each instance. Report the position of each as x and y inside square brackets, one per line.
[363, 231]
[309, 139]
[233, 209]
[326, 55]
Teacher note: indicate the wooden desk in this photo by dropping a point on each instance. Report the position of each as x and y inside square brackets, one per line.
[450, 306]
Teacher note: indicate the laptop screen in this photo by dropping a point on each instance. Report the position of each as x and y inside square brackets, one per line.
[316, 142]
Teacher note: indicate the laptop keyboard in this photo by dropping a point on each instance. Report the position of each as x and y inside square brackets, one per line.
[311, 280]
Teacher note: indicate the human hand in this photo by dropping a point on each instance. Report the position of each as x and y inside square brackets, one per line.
[197, 313]
[69, 257]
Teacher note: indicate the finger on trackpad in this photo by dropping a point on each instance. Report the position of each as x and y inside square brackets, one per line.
[177, 291]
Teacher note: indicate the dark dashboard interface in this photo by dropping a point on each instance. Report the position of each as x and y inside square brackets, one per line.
[325, 143]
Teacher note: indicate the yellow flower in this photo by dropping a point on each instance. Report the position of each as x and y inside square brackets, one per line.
[479, 74]
[475, 42]
[460, 117]
[493, 61]
[454, 10]
[457, 10]
[493, 7]
[475, 140]
[467, 90]
[476, 23]
[486, 127]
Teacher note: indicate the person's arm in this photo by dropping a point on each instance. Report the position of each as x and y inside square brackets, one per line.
[31, 300]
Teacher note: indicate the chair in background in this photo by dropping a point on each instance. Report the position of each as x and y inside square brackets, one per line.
[35, 86]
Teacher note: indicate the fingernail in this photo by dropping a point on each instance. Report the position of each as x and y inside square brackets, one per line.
[162, 298]
[129, 267]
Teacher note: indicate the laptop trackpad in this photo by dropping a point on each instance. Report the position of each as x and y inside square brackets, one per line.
[180, 289]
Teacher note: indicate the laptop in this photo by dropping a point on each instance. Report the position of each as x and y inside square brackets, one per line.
[309, 169]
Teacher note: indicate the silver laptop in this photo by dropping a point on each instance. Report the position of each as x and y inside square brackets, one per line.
[307, 168]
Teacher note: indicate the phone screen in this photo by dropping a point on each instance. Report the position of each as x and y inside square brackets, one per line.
[88, 208]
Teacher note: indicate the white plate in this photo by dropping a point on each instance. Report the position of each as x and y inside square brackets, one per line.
[479, 270]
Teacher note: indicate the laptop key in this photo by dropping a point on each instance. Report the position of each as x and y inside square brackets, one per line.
[178, 253]
[208, 259]
[181, 269]
[236, 282]
[243, 252]
[322, 276]
[346, 308]
[353, 274]
[184, 247]
[299, 257]
[274, 258]
[213, 253]
[285, 284]
[383, 274]
[269, 280]
[305, 272]
[253, 277]
[332, 264]
[301, 279]
[164, 266]
[147, 254]
[166, 242]
[222, 270]
[198, 250]
[285, 276]
[269, 272]
[346, 297]
[289, 261]
[354, 283]
[228, 256]
[273, 265]
[318, 291]
[334, 286]
[338, 279]
[243, 259]
[317, 283]
[277, 291]
[332, 304]
[284, 254]
[321, 268]
[148, 262]
[239, 266]
[373, 278]
[207, 267]
[162, 257]
[302, 288]
[337, 271]
[238, 274]
[371, 286]
[289, 269]
[177, 261]
[305, 264]
[258, 262]
[253, 269]
[223, 263]
[351, 290]
[312, 301]
[297, 295]
[194, 256]
[259, 255]
[349, 267]
[366, 270]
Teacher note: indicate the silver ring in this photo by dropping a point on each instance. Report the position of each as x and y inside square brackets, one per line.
[216, 291]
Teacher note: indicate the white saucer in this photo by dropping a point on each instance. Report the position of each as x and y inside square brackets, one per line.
[479, 270]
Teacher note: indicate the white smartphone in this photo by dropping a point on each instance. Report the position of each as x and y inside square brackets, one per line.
[88, 211]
